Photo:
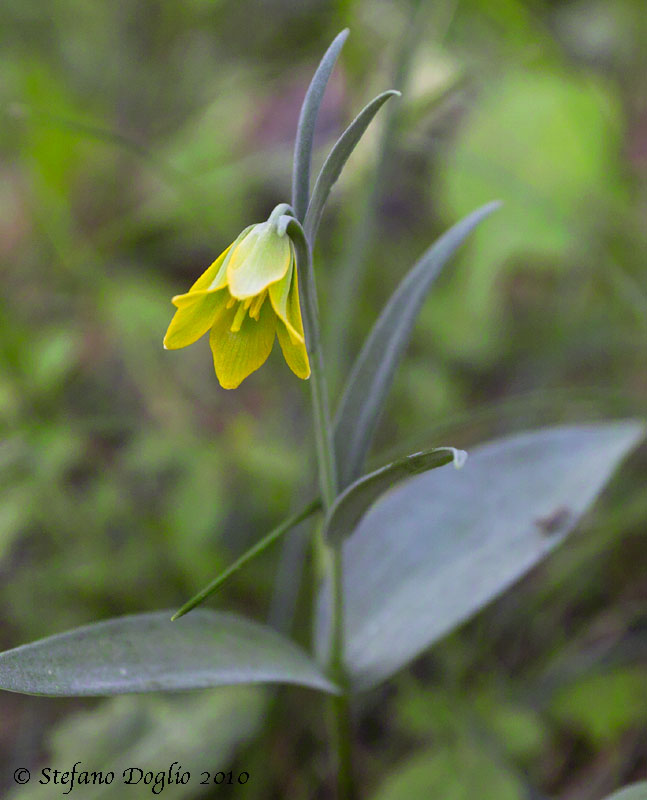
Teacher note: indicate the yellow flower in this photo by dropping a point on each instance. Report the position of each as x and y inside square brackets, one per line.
[247, 296]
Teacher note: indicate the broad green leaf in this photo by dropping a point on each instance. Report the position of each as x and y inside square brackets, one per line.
[354, 502]
[545, 143]
[459, 771]
[306, 126]
[148, 652]
[637, 791]
[603, 707]
[336, 160]
[199, 732]
[442, 713]
[435, 550]
[372, 374]
[542, 141]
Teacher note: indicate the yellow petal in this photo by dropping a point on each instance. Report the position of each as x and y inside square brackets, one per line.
[294, 353]
[213, 278]
[196, 313]
[282, 302]
[293, 347]
[260, 259]
[294, 322]
[237, 355]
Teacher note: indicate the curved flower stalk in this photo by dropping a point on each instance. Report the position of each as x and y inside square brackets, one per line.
[246, 298]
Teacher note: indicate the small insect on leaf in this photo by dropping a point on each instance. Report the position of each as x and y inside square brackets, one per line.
[553, 522]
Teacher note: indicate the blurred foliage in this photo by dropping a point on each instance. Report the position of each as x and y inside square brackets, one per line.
[137, 138]
[151, 733]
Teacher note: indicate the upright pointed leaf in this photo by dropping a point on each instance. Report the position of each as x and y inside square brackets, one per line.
[337, 159]
[637, 791]
[436, 549]
[306, 126]
[372, 374]
[355, 501]
[148, 652]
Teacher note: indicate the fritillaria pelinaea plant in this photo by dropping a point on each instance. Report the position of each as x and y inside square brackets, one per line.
[248, 297]
[406, 552]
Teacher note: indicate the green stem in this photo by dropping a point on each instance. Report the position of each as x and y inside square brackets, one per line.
[341, 714]
[319, 390]
[325, 458]
[342, 736]
[340, 706]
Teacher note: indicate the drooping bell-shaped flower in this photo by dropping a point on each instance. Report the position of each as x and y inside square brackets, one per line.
[249, 295]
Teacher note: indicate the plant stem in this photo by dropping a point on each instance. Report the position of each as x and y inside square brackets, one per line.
[342, 739]
[325, 456]
[341, 717]
[308, 295]
[341, 720]
[340, 707]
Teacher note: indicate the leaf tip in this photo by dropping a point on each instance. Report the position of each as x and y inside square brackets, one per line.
[339, 40]
[460, 457]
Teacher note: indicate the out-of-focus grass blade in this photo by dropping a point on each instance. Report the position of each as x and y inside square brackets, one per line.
[306, 126]
[149, 653]
[355, 501]
[373, 371]
[99, 133]
[336, 160]
[248, 556]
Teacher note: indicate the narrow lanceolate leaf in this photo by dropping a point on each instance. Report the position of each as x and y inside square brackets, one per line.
[354, 502]
[336, 160]
[439, 547]
[637, 791]
[248, 556]
[373, 371]
[306, 126]
[148, 653]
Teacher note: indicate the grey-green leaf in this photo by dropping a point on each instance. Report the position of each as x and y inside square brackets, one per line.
[436, 549]
[148, 652]
[337, 159]
[637, 791]
[306, 126]
[354, 502]
[372, 374]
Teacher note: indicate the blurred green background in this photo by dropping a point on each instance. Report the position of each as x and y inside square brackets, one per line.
[138, 138]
